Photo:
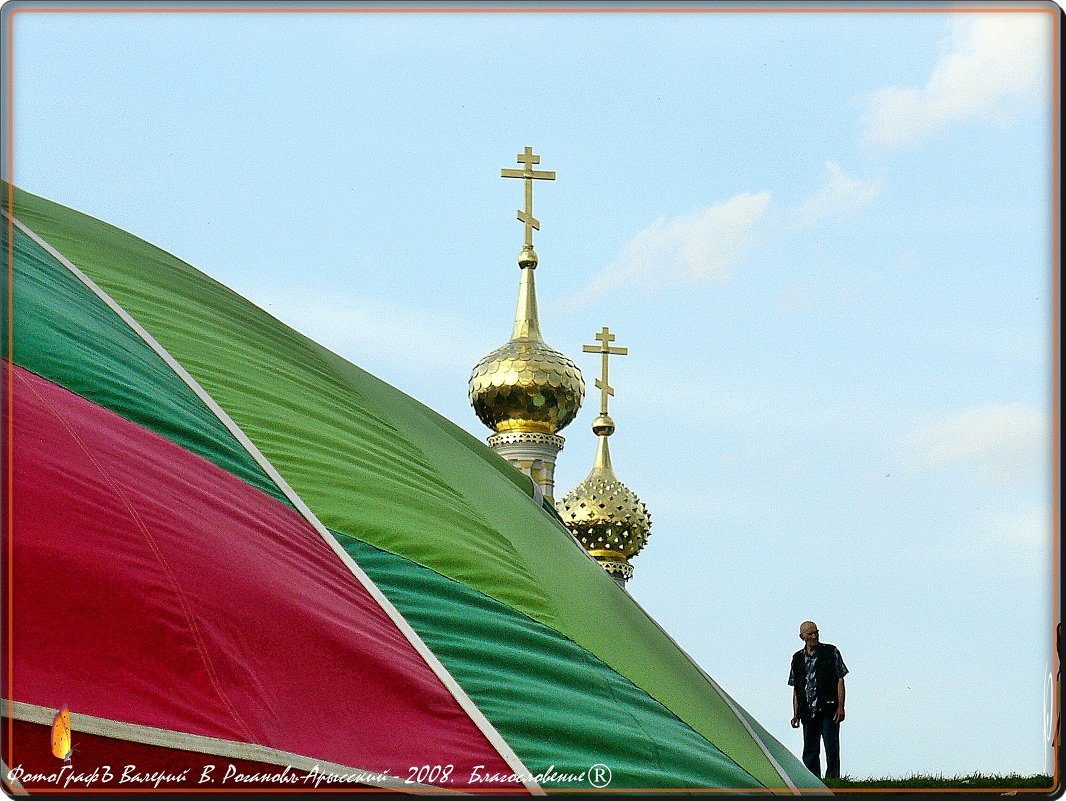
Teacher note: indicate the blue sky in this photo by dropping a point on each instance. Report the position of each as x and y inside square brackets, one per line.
[824, 238]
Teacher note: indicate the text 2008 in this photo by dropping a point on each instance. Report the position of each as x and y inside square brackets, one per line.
[429, 774]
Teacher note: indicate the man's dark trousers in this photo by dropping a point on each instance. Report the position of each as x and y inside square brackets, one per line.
[822, 728]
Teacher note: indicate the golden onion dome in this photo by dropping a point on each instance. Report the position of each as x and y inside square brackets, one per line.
[526, 385]
[607, 517]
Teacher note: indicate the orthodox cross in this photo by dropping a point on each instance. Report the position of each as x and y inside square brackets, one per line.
[527, 160]
[605, 336]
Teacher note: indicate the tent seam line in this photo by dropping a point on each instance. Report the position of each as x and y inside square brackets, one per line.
[588, 656]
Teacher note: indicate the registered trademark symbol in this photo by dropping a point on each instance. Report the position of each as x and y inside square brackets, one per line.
[599, 775]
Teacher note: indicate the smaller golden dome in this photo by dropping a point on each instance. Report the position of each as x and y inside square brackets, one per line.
[606, 516]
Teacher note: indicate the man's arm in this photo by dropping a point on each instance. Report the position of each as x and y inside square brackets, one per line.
[795, 709]
[839, 714]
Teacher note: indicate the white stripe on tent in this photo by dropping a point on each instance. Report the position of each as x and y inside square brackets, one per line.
[729, 701]
[12, 784]
[167, 738]
[476, 715]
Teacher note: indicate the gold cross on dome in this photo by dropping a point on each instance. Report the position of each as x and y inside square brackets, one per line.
[527, 159]
[605, 337]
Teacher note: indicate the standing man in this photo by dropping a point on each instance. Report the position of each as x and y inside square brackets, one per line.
[817, 681]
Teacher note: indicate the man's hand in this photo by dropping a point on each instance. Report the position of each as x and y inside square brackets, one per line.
[838, 716]
[795, 723]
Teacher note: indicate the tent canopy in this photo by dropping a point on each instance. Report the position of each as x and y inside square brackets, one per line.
[225, 532]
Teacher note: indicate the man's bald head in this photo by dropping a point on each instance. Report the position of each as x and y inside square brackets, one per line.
[809, 634]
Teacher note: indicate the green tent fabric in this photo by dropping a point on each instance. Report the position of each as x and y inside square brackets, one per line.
[562, 662]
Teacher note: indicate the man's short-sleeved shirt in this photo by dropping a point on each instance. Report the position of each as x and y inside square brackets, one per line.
[810, 678]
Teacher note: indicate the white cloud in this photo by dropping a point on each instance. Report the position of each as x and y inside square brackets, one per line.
[841, 195]
[1004, 443]
[705, 245]
[1028, 529]
[993, 60]
[693, 248]
[1017, 540]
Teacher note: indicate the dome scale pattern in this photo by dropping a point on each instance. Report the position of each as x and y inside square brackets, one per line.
[526, 385]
